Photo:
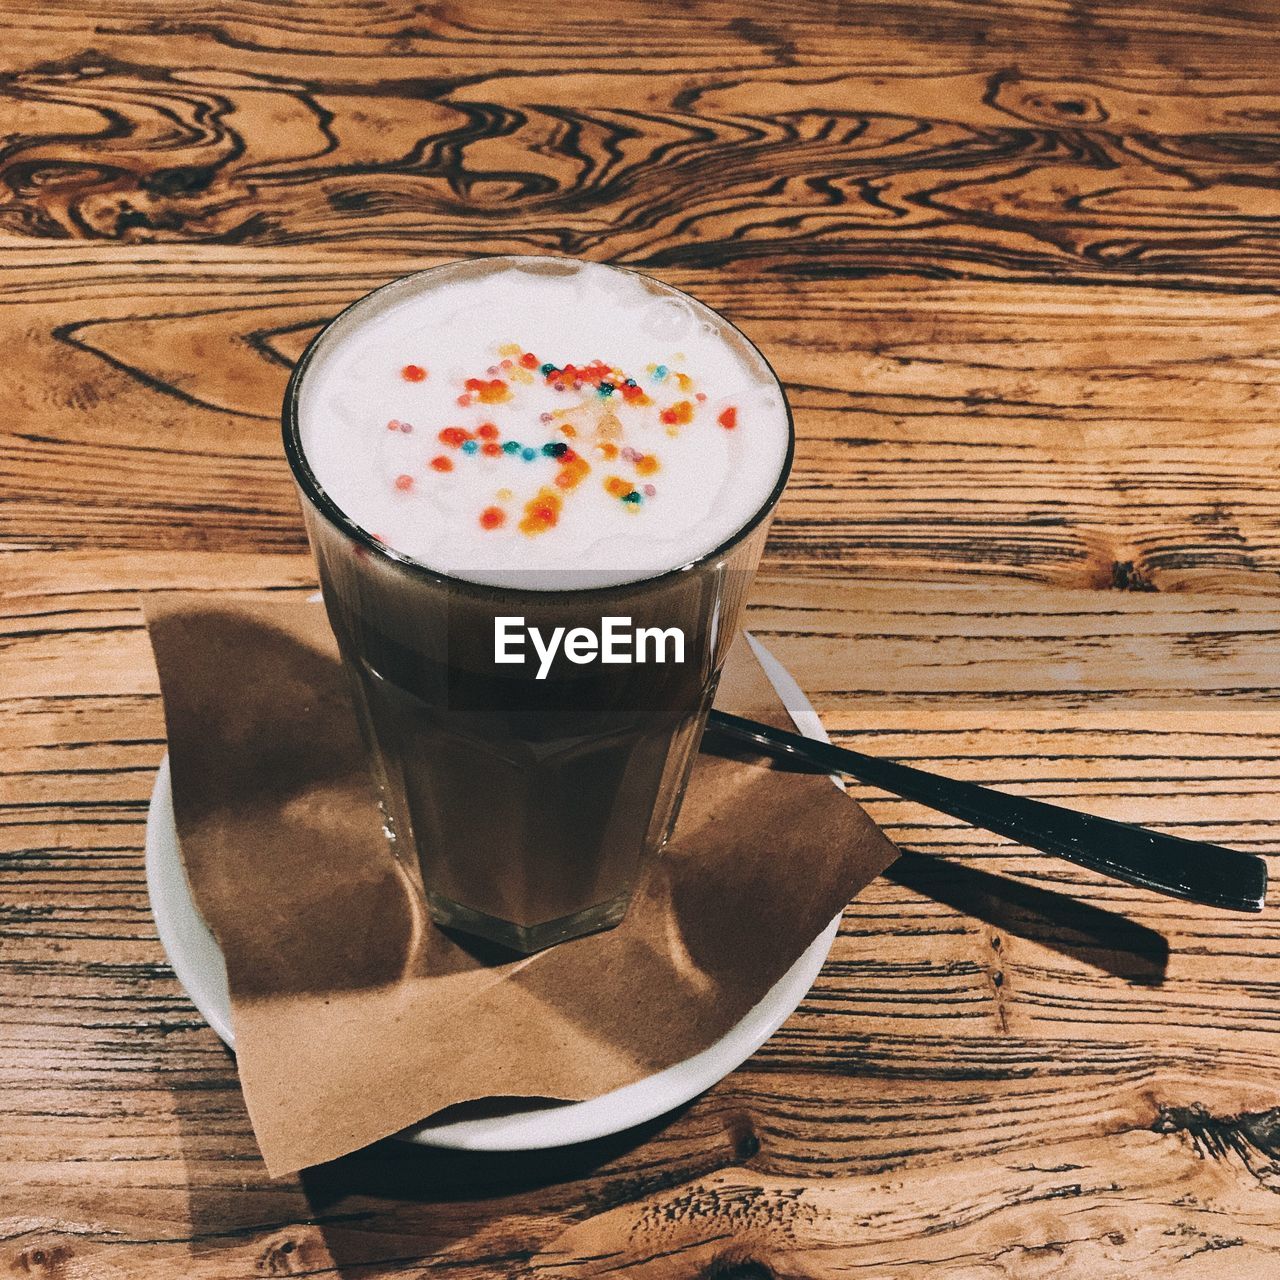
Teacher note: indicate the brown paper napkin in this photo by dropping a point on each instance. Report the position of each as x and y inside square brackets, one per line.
[353, 1017]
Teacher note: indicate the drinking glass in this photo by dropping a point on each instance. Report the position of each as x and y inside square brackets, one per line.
[529, 807]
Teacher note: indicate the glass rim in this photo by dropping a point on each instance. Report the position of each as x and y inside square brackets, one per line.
[314, 492]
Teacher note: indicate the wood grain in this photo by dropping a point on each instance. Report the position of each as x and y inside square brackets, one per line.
[1019, 267]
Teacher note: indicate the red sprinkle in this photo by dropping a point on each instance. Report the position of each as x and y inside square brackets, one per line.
[464, 401]
[439, 463]
[729, 418]
[492, 518]
[413, 373]
[404, 483]
[453, 436]
[529, 360]
[487, 431]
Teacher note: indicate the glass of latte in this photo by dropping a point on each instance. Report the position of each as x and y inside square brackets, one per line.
[537, 491]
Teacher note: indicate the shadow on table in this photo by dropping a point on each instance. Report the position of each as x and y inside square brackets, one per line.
[426, 1200]
[1103, 939]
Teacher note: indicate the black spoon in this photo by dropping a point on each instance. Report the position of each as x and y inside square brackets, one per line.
[1189, 869]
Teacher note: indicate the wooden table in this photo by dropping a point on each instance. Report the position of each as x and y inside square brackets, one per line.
[1018, 265]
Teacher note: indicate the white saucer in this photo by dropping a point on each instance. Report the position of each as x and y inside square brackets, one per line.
[198, 964]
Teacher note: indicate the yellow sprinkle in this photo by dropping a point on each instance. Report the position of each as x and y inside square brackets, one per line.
[520, 375]
[509, 349]
[503, 495]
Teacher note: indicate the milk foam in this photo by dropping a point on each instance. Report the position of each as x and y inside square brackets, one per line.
[621, 520]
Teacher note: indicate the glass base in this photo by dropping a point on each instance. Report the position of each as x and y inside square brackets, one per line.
[527, 938]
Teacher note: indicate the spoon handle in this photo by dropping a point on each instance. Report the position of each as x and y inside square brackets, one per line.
[1191, 869]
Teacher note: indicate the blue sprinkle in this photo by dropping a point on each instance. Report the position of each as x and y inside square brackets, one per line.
[511, 447]
[633, 496]
[661, 372]
[631, 382]
[528, 454]
[469, 446]
[606, 389]
[546, 369]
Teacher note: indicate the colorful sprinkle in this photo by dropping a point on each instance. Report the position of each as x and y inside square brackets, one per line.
[413, 373]
[593, 414]
[573, 471]
[541, 512]
[493, 391]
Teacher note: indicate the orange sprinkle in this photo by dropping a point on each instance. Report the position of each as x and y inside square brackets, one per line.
[646, 464]
[453, 436]
[464, 401]
[492, 518]
[678, 414]
[440, 463]
[491, 448]
[573, 471]
[541, 512]
[685, 382]
[413, 373]
[490, 391]
[617, 487]
[568, 429]
[487, 431]
[608, 450]
[404, 483]
[729, 418]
